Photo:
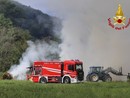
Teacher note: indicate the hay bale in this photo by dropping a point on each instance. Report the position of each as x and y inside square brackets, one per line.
[7, 76]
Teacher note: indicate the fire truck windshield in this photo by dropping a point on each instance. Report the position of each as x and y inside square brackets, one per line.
[79, 67]
[37, 70]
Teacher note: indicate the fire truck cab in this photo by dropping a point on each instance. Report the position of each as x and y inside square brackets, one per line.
[69, 71]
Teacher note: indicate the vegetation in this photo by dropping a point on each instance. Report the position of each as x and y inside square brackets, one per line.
[19, 23]
[27, 89]
[39, 24]
[12, 42]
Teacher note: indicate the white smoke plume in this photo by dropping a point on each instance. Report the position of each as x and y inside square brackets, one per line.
[86, 34]
[39, 50]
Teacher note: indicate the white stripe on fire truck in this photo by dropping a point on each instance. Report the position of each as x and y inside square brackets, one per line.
[54, 70]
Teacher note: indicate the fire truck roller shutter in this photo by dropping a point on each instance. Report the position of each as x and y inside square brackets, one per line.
[43, 80]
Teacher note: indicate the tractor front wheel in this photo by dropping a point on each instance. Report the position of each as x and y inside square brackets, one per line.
[107, 79]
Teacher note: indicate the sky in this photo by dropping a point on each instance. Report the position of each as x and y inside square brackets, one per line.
[86, 34]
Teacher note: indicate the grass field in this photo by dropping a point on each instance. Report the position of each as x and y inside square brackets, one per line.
[27, 89]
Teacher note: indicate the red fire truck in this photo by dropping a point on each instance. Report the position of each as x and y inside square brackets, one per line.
[69, 71]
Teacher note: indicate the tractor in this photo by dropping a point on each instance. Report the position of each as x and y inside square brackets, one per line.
[97, 73]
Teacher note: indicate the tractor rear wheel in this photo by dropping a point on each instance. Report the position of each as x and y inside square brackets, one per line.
[94, 77]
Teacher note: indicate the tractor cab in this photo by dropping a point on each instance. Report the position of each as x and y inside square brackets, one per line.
[95, 69]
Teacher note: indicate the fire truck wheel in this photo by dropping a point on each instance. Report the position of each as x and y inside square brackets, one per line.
[66, 80]
[43, 80]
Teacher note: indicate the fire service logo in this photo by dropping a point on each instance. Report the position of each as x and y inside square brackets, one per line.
[118, 21]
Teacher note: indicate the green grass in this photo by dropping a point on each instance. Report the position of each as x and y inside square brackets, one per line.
[27, 89]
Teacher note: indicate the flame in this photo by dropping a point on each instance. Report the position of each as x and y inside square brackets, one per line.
[119, 11]
[119, 18]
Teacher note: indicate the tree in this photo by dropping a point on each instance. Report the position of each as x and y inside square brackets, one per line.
[12, 43]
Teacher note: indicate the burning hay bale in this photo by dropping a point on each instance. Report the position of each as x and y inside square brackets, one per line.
[7, 76]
